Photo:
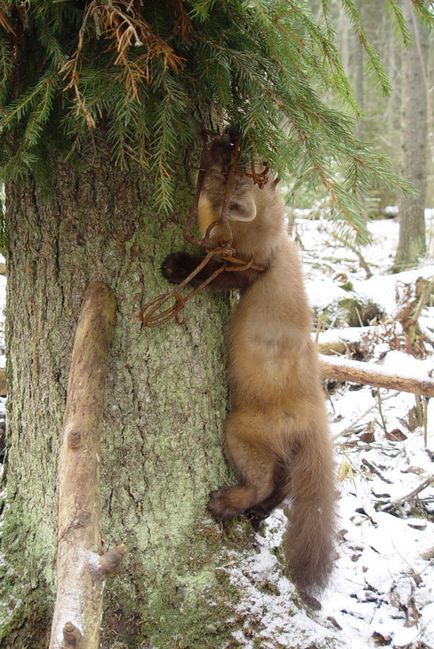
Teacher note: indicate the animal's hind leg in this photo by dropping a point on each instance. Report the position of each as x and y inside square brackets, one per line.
[256, 466]
[277, 495]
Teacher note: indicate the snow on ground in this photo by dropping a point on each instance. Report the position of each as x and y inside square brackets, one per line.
[383, 588]
[382, 591]
[272, 620]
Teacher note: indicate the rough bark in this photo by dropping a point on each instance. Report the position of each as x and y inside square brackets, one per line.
[80, 568]
[162, 445]
[414, 136]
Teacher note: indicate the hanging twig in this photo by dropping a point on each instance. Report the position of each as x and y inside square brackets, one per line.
[194, 208]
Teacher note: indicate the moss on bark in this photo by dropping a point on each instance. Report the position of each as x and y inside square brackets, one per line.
[165, 394]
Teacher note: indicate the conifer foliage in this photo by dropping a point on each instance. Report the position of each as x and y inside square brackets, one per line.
[149, 75]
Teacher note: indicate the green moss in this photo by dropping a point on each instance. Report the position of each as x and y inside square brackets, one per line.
[23, 599]
[24, 611]
[191, 604]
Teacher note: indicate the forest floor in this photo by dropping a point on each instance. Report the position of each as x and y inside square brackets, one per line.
[382, 591]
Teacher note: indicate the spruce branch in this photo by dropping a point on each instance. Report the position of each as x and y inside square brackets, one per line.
[401, 26]
[146, 76]
[425, 11]
[19, 108]
[375, 65]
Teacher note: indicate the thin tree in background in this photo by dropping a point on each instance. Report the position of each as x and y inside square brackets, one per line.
[414, 139]
[359, 82]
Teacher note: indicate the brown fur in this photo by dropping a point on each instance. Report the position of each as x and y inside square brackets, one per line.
[277, 431]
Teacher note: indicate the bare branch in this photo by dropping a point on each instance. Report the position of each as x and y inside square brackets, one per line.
[427, 482]
[342, 369]
[78, 608]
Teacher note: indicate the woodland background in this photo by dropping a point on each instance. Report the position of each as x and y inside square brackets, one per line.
[187, 582]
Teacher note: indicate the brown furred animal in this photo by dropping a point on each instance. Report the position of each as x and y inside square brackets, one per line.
[277, 432]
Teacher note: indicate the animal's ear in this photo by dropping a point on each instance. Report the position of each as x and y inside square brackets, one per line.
[218, 154]
[242, 208]
[275, 182]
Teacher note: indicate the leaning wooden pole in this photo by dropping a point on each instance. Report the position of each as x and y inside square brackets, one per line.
[343, 369]
[81, 570]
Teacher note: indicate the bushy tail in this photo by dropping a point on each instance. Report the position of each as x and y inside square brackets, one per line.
[309, 544]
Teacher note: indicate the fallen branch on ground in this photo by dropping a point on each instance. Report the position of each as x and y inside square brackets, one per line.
[375, 470]
[356, 250]
[427, 482]
[81, 571]
[343, 369]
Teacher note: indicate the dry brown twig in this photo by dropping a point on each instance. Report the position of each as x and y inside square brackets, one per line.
[411, 298]
[121, 24]
[349, 429]
[427, 482]
[375, 470]
[4, 22]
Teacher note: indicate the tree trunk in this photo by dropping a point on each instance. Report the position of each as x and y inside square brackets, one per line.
[161, 446]
[414, 135]
[359, 80]
[164, 408]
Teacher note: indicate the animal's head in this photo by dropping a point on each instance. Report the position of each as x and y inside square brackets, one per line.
[250, 210]
[216, 163]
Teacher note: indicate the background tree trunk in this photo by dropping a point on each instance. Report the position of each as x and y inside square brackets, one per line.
[359, 80]
[414, 135]
[164, 410]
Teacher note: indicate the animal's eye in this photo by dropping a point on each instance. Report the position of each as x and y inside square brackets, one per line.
[234, 206]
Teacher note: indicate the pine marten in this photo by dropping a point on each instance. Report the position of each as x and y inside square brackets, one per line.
[276, 432]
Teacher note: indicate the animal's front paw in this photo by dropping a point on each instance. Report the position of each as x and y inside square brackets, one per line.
[177, 266]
